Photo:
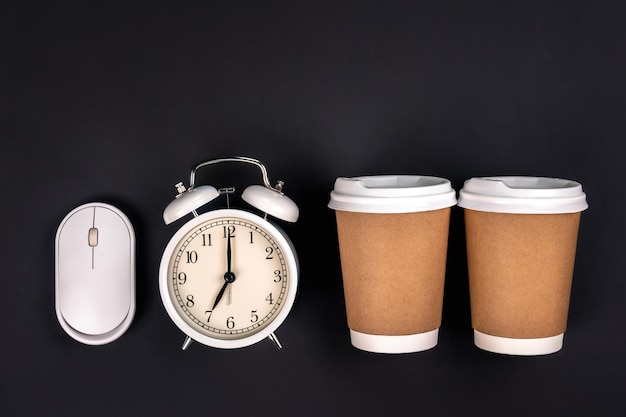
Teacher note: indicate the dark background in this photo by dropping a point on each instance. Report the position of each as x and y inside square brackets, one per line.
[117, 102]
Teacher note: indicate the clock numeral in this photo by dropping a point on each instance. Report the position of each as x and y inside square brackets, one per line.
[251, 238]
[192, 257]
[206, 239]
[230, 322]
[270, 299]
[269, 250]
[190, 302]
[254, 317]
[229, 231]
[277, 276]
[182, 278]
[209, 312]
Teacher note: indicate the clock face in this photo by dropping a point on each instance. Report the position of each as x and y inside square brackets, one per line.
[230, 276]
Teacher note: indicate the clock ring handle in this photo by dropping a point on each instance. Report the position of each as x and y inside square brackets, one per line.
[244, 159]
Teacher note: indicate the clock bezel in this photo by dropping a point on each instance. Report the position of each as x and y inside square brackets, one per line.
[246, 339]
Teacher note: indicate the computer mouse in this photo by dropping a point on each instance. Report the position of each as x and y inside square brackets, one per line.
[95, 273]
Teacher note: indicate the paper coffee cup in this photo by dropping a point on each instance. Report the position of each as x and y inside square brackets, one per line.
[521, 235]
[393, 237]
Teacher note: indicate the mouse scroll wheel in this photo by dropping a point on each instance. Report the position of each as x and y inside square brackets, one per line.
[93, 237]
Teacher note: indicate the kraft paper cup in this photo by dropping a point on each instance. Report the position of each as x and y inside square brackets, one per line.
[521, 235]
[393, 237]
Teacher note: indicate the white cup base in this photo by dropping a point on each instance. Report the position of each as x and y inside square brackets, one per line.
[394, 344]
[525, 347]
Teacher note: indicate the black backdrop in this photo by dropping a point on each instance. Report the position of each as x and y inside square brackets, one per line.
[117, 102]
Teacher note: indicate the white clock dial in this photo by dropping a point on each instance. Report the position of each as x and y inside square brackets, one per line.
[228, 276]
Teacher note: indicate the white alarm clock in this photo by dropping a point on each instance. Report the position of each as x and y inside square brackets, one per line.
[228, 277]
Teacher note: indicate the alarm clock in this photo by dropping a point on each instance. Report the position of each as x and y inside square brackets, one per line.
[228, 277]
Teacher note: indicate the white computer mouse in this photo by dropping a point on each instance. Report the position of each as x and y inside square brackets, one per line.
[95, 273]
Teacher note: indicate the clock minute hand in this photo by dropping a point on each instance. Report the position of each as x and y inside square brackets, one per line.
[229, 256]
[229, 277]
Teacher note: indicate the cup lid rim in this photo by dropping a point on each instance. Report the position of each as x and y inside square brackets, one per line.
[522, 194]
[391, 193]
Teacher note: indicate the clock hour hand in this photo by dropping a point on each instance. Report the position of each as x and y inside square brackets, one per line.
[229, 277]
[220, 295]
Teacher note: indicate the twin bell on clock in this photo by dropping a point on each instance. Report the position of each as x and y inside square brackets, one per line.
[228, 277]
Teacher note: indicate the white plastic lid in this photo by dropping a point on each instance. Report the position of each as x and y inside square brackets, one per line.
[391, 194]
[523, 195]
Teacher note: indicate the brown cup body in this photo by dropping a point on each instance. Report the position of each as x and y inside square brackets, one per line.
[520, 272]
[393, 268]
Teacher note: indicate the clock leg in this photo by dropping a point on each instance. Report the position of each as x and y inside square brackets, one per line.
[188, 341]
[275, 340]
